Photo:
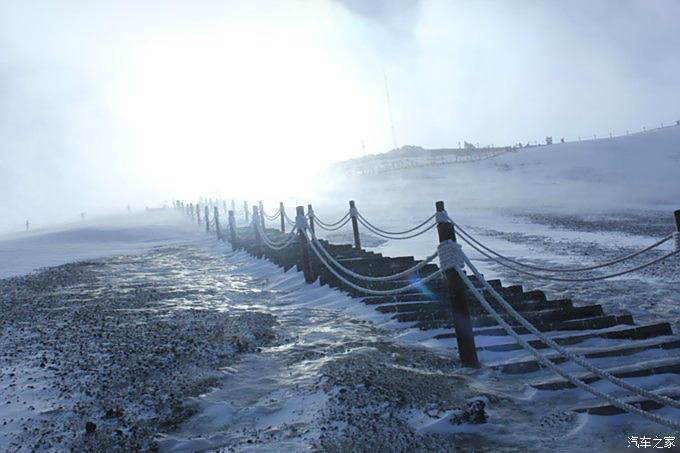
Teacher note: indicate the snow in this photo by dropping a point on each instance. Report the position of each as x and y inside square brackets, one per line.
[27, 251]
[336, 374]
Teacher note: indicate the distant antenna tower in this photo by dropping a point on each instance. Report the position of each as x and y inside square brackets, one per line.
[389, 109]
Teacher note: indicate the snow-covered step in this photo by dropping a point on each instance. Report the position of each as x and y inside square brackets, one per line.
[436, 304]
[633, 333]
[594, 323]
[444, 318]
[640, 402]
[528, 364]
[648, 368]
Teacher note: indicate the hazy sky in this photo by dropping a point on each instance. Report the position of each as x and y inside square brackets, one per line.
[113, 102]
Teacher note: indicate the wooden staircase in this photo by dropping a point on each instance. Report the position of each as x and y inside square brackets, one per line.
[612, 341]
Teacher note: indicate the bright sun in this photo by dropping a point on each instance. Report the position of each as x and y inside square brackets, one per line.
[237, 109]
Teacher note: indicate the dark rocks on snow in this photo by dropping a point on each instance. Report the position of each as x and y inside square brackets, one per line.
[90, 427]
[471, 414]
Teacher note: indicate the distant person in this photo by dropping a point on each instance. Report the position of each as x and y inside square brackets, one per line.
[82, 216]
[562, 140]
[27, 225]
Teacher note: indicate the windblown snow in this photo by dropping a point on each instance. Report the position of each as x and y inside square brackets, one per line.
[162, 337]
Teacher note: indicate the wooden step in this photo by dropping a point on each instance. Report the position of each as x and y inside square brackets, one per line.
[599, 322]
[531, 365]
[649, 368]
[638, 401]
[631, 333]
[444, 319]
[432, 305]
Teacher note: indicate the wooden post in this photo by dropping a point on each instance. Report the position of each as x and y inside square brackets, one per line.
[355, 224]
[262, 216]
[459, 305]
[310, 216]
[258, 239]
[232, 229]
[224, 206]
[304, 249]
[245, 210]
[282, 214]
[677, 219]
[198, 213]
[191, 210]
[216, 216]
[207, 219]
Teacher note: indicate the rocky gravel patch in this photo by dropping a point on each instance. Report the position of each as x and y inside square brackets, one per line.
[373, 390]
[101, 356]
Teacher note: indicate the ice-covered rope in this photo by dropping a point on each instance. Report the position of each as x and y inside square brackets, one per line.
[290, 221]
[370, 278]
[385, 236]
[331, 225]
[373, 292]
[467, 237]
[575, 358]
[271, 218]
[273, 244]
[264, 235]
[334, 228]
[395, 233]
[574, 280]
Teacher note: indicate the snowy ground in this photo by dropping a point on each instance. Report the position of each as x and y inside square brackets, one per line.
[162, 337]
[195, 348]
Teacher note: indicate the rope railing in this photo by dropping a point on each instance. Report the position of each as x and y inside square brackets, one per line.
[451, 257]
[289, 221]
[271, 217]
[374, 292]
[575, 358]
[333, 228]
[386, 236]
[571, 280]
[331, 225]
[395, 233]
[272, 244]
[368, 278]
[467, 237]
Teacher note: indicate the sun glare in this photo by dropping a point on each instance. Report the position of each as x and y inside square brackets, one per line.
[218, 111]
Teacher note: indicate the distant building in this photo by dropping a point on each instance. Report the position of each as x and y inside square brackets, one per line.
[467, 145]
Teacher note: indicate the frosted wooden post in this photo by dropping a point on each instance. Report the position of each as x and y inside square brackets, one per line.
[258, 239]
[224, 206]
[458, 300]
[191, 210]
[216, 216]
[262, 216]
[677, 219]
[282, 214]
[310, 216]
[304, 248]
[198, 213]
[232, 229]
[207, 219]
[355, 224]
[245, 210]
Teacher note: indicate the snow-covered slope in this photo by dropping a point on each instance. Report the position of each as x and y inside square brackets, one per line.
[24, 252]
[639, 171]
